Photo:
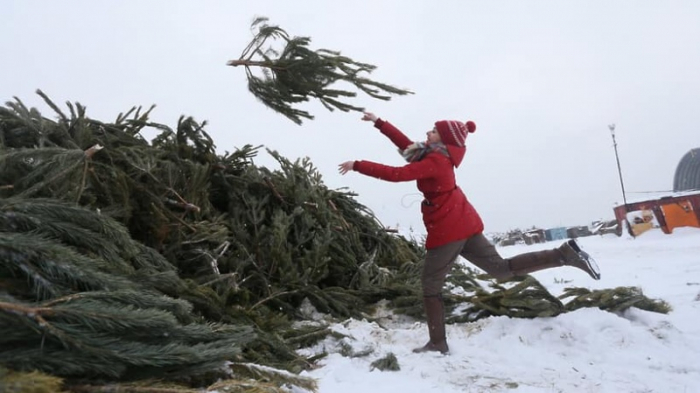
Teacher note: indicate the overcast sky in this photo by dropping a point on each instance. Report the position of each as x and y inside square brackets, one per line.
[541, 79]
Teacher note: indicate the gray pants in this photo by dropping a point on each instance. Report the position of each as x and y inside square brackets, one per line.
[477, 250]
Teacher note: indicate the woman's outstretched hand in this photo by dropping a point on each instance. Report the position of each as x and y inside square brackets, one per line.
[368, 116]
[345, 167]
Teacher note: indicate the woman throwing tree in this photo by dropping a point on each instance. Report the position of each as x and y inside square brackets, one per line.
[453, 225]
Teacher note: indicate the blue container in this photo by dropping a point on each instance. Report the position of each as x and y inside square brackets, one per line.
[555, 234]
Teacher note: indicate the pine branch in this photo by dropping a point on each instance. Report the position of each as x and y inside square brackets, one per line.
[129, 388]
[246, 386]
[614, 300]
[103, 339]
[29, 382]
[279, 377]
[296, 73]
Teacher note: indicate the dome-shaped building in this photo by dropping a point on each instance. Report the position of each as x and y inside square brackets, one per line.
[688, 172]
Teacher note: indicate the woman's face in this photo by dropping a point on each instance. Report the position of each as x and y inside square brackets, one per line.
[433, 136]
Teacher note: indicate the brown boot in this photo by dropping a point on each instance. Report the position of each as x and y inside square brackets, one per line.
[568, 254]
[574, 256]
[435, 312]
[531, 262]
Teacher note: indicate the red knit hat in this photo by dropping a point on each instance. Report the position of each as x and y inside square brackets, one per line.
[453, 134]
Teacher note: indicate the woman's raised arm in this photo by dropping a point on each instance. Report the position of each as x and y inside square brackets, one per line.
[394, 134]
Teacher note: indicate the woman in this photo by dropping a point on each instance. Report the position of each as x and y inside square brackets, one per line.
[454, 227]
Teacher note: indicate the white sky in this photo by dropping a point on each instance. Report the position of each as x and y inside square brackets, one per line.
[542, 80]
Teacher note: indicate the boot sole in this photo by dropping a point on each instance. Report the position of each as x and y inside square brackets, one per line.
[592, 266]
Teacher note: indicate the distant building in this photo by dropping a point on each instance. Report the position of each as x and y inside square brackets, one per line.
[681, 208]
[668, 212]
[687, 176]
[534, 236]
[555, 234]
[578, 231]
[605, 227]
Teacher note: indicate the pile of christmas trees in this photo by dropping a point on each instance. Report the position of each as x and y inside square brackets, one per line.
[129, 265]
[123, 258]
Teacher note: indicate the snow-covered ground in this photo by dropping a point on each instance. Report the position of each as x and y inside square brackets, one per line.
[588, 350]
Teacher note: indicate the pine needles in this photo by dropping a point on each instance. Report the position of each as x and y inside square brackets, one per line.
[387, 363]
[165, 259]
[295, 74]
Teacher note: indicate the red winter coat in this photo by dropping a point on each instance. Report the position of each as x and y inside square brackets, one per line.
[447, 214]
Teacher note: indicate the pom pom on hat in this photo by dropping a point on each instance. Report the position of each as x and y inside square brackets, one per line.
[471, 126]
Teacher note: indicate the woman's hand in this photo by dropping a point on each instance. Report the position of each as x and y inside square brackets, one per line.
[368, 116]
[346, 167]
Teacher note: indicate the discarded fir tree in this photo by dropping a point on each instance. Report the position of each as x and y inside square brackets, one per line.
[295, 73]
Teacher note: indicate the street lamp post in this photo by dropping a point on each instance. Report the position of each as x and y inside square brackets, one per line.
[622, 184]
[619, 169]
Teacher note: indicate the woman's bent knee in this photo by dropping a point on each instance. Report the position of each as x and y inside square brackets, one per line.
[501, 274]
[432, 287]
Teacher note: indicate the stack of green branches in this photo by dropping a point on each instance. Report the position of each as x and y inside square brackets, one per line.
[473, 296]
[525, 297]
[247, 235]
[83, 301]
[123, 258]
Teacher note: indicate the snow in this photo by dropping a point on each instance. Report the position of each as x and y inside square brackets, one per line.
[587, 350]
